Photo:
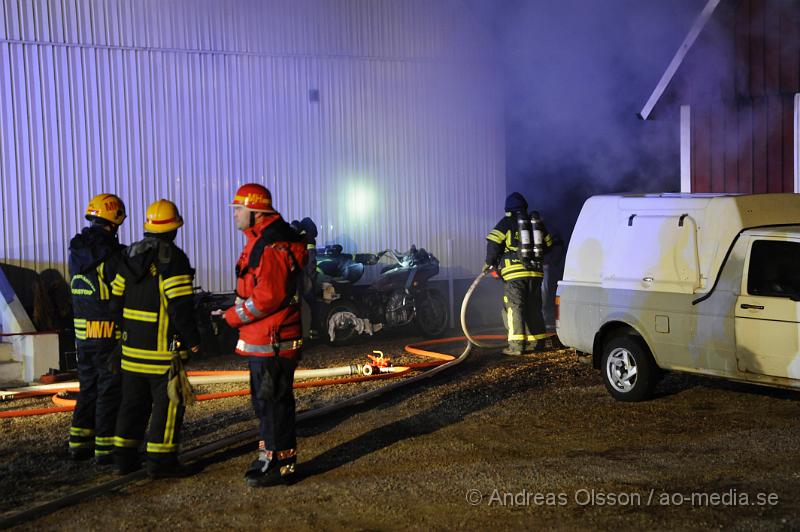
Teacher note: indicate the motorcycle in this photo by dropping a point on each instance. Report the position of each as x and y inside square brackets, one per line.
[398, 297]
[216, 337]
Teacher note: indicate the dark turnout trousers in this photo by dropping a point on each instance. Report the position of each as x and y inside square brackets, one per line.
[95, 415]
[523, 306]
[272, 395]
[145, 397]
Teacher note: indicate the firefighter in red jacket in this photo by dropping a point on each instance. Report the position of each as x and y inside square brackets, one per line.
[267, 314]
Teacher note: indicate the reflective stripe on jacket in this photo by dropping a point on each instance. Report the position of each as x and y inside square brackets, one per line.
[155, 287]
[502, 247]
[94, 258]
[267, 309]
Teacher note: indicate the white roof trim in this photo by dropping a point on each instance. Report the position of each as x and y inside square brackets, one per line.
[697, 27]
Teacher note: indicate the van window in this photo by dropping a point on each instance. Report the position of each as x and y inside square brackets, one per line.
[774, 269]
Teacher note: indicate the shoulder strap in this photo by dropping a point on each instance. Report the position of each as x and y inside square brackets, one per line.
[278, 231]
[292, 293]
[283, 247]
[292, 289]
[257, 251]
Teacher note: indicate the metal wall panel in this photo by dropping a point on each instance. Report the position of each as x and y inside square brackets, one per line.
[189, 99]
[373, 28]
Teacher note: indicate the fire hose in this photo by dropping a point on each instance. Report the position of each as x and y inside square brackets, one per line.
[464, 305]
[440, 362]
[326, 376]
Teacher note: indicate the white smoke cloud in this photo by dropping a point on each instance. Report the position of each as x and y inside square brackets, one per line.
[576, 74]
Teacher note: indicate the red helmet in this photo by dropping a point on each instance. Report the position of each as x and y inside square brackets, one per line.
[254, 197]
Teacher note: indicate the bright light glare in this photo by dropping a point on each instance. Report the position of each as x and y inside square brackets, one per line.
[360, 201]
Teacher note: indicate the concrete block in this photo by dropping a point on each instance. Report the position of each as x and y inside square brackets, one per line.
[39, 355]
[6, 352]
[11, 373]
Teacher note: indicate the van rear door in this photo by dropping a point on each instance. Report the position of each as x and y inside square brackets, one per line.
[767, 310]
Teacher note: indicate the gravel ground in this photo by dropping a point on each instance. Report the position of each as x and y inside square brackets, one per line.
[498, 441]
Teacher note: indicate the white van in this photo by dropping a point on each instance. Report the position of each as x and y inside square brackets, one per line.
[699, 283]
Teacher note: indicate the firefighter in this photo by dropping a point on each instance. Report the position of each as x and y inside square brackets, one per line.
[308, 230]
[159, 331]
[267, 314]
[95, 255]
[516, 249]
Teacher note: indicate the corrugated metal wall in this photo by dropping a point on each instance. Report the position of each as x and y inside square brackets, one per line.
[189, 99]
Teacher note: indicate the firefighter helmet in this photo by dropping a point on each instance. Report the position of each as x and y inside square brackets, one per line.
[106, 207]
[162, 217]
[254, 197]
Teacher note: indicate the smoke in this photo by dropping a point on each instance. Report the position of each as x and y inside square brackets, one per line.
[576, 74]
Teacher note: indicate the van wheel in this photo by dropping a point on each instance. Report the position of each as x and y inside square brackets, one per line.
[629, 372]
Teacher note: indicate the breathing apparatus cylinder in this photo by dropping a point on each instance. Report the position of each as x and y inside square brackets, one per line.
[538, 236]
[525, 229]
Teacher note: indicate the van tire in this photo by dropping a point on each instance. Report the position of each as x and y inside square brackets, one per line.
[621, 355]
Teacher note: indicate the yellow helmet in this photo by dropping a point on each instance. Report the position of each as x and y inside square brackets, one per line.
[162, 217]
[107, 207]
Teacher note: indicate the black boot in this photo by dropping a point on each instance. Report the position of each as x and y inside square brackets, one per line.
[78, 454]
[127, 463]
[104, 459]
[513, 349]
[279, 469]
[259, 465]
[169, 468]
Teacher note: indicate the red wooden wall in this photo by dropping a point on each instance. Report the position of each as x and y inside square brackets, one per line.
[742, 127]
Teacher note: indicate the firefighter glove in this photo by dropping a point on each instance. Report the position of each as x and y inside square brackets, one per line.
[179, 389]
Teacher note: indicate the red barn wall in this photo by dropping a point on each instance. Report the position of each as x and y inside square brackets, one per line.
[742, 123]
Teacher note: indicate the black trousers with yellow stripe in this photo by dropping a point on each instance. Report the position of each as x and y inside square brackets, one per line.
[95, 414]
[145, 396]
[523, 307]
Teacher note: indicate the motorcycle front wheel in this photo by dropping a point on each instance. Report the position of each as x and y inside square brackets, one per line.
[345, 334]
[432, 315]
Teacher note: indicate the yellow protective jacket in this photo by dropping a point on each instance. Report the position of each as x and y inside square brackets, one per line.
[155, 286]
[502, 246]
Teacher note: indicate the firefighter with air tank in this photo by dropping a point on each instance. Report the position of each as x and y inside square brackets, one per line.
[267, 315]
[516, 247]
